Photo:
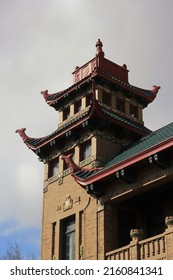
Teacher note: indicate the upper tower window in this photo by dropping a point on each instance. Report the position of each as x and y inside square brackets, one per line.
[88, 100]
[133, 111]
[53, 168]
[77, 106]
[120, 105]
[106, 98]
[66, 113]
[85, 150]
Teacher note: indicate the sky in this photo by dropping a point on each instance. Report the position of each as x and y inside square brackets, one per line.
[41, 43]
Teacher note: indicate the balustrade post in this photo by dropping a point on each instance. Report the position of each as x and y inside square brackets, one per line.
[169, 237]
[136, 235]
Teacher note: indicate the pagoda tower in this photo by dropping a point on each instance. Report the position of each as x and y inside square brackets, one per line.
[100, 117]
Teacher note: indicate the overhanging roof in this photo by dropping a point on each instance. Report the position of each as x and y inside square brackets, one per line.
[95, 110]
[155, 142]
[146, 96]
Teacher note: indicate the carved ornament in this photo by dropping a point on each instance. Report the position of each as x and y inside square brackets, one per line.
[68, 203]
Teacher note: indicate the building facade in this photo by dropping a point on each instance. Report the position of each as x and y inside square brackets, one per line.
[107, 178]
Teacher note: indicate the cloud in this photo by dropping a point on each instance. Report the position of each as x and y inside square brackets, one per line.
[41, 43]
[23, 196]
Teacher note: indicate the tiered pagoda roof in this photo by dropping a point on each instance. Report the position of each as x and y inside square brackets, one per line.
[99, 70]
[94, 111]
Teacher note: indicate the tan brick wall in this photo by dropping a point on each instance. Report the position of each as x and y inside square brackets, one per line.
[110, 148]
[85, 209]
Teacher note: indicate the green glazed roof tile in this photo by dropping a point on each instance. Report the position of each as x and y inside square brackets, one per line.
[149, 141]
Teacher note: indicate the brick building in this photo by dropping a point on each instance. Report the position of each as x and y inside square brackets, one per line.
[108, 179]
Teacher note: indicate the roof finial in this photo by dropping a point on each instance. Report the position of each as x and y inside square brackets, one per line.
[22, 133]
[155, 89]
[99, 51]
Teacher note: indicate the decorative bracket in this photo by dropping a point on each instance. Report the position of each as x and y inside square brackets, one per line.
[125, 176]
[70, 134]
[156, 160]
[55, 144]
[93, 191]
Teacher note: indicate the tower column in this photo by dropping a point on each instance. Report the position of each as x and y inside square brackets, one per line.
[71, 110]
[140, 113]
[83, 103]
[77, 154]
[93, 146]
[60, 117]
[98, 93]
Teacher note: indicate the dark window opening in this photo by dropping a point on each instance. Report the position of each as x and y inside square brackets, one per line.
[155, 220]
[120, 105]
[68, 238]
[66, 113]
[106, 98]
[88, 100]
[77, 106]
[53, 168]
[126, 221]
[133, 111]
[85, 150]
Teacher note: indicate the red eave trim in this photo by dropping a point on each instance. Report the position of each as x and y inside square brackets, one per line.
[130, 161]
[129, 87]
[56, 135]
[97, 72]
[95, 108]
[72, 88]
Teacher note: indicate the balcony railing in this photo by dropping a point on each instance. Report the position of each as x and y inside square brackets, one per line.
[119, 254]
[152, 248]
[158, 247]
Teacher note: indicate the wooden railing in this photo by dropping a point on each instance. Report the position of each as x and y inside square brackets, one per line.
[152, 249]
